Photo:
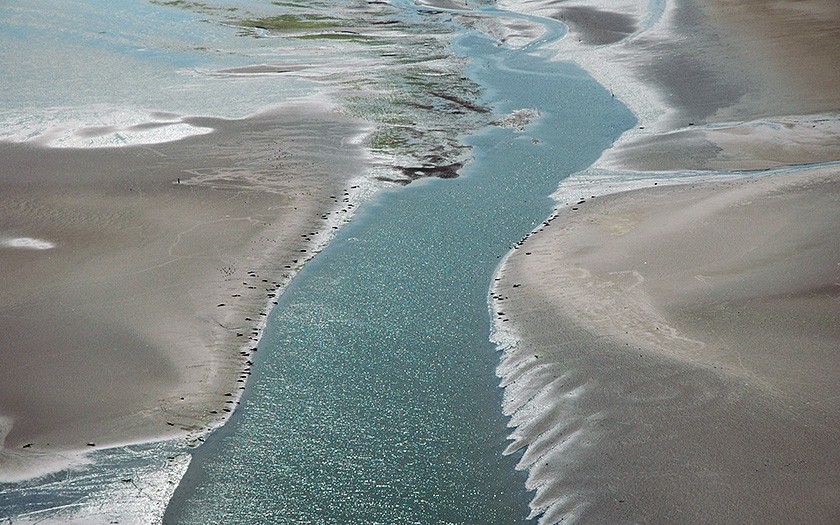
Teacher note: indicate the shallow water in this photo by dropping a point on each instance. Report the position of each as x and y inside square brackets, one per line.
[73, 65]
[374, 397]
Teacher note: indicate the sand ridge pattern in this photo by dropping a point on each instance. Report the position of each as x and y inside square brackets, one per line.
[137, 323]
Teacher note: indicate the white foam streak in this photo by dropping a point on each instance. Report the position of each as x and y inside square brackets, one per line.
[26, 243]
[110, 491]
[95, 127]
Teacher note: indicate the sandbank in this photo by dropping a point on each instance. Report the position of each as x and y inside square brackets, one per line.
[138, 321]
[714, 84]
[671, 353]
[677, 354]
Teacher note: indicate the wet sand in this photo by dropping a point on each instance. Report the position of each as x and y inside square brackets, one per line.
[138, 324]
[675, 349]
[715, 85]
[739, 86]
[678, 354]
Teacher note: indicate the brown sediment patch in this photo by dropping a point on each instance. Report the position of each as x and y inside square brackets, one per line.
[721, 61]
[758, 145]
[120, 327]
[518, 119]
[679, 150]
[735, 70]
[680, 247]
[698, 69]
[96, 131]
[597, 26]
[449, 171]
[794, 43]
[412, 173]
[678, 354]
[461, 102]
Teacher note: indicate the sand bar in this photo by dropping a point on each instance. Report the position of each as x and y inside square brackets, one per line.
[715, 85]
[678, 354]
[162, 258]
[672, 353]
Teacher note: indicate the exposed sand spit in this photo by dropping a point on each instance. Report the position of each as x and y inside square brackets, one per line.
[679, 353]
[163, 259]
[675, 350]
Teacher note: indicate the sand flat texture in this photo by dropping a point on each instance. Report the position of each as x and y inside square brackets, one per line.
[744, 85]
[715, 85]
[679, 354]
[132, 326]
[673, 353]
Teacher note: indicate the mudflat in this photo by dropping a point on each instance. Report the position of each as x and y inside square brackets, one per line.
[679, 353]
[139, 321]
[672, 352]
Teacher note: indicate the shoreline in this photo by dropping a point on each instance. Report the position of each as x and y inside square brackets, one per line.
[224, 170]
[311, 216]
[241, 168]
[621, 419]
[622, 365]
[699, 140]
[707, 96]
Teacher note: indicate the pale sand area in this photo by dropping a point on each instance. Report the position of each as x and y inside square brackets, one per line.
[116, 334]
[678, 354]
[714, 84]
[675, 350]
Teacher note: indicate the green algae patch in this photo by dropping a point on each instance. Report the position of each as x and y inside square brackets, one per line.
[346, 37]
[290, 4]
[290, 23]
[389, 140]
[196, 7]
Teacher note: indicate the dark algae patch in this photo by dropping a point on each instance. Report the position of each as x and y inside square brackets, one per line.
[412, 89]
[345, 36]
[289, 22]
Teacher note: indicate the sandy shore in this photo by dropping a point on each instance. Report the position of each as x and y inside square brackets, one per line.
[715, 85]
[740, 86]
[138, 322]
[672, 351]
[678, 354]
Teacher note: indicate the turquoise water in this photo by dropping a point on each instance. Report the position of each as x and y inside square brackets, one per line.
[70, 63]
[375, 398]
